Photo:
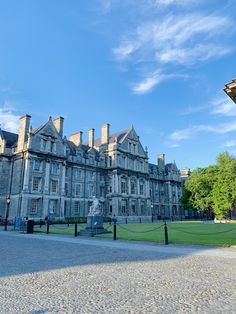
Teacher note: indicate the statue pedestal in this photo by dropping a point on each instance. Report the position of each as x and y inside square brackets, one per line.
[94, 226]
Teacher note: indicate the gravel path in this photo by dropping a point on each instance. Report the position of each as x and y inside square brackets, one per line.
[61, 276]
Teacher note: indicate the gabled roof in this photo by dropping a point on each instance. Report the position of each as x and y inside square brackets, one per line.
[171, 166]
[114, 137]
[10, 138]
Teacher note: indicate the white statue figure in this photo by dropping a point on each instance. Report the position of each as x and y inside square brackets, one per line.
[95, 208]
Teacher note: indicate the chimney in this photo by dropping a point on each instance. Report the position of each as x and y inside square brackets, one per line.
[58, 123]
[76, 138]
[91, 137]
[105, 134]
[161, 160]
[23, 131]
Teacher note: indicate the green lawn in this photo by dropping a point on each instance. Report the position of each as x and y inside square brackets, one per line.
[178, 232]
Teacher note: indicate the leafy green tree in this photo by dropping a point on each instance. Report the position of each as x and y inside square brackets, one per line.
[199, 188]
[212, 187]
[224, 189]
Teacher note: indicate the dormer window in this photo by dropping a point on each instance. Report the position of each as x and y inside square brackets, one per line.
[43, 144]
[91, 160]
[131, 164]
[130, 147]
[122, 161]
[54, 147]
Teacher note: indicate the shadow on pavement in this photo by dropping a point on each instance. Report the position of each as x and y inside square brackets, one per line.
[22, 253]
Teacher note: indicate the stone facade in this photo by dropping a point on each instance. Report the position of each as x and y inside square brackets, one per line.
[46, 174]
[230, 90]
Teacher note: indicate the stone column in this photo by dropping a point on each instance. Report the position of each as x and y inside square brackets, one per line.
[26, 175]
[63, 176]
[129, 185]
[170, 202]
[47, 178]
[116, 184]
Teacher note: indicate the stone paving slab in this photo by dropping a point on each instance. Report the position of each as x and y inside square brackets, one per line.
[55, 274]
[206, 250]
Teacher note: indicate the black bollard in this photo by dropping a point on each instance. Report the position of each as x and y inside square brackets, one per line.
[140, 220]
[68, 223]
[114, 234]
[152, 217]
[5, 225]
[48, 227]
[76, 230]
[40, 223]
[166, 234]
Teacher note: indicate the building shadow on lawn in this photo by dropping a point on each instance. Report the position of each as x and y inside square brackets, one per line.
[22, 254]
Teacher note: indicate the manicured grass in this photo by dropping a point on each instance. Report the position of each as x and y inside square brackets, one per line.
[179, 232]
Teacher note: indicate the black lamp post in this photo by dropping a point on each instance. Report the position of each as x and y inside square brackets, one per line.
[8, 201]
[152, 211]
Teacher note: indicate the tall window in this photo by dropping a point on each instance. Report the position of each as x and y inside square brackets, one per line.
[131, 164]
[55, 168]
[77, 189]
[34, 206]
[133, 208]
[141, 188]
[123, 206]
[52, 206]
[133, 187]
[123, 186]
[54, 186]
[36, 184]
[76, 207]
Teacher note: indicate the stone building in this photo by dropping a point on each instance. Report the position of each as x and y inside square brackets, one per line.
[45, 174]
[230, 90]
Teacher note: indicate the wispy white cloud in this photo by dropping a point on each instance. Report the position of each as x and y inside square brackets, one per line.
[185, 134]
[172, 40]
[177, 36]
[230, 143]
[224, 106]
[220, 106]
[201, 52]
[152, 80]
[124, 50]
[8, 119]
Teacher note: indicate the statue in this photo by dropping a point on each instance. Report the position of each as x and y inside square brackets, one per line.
[95, 208]
[94, 220]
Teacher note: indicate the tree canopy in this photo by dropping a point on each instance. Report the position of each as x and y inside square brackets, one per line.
[212, 187]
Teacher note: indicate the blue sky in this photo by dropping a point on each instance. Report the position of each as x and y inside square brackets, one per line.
[160, 65]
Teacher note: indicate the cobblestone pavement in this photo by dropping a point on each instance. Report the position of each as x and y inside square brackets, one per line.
[41, 276]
